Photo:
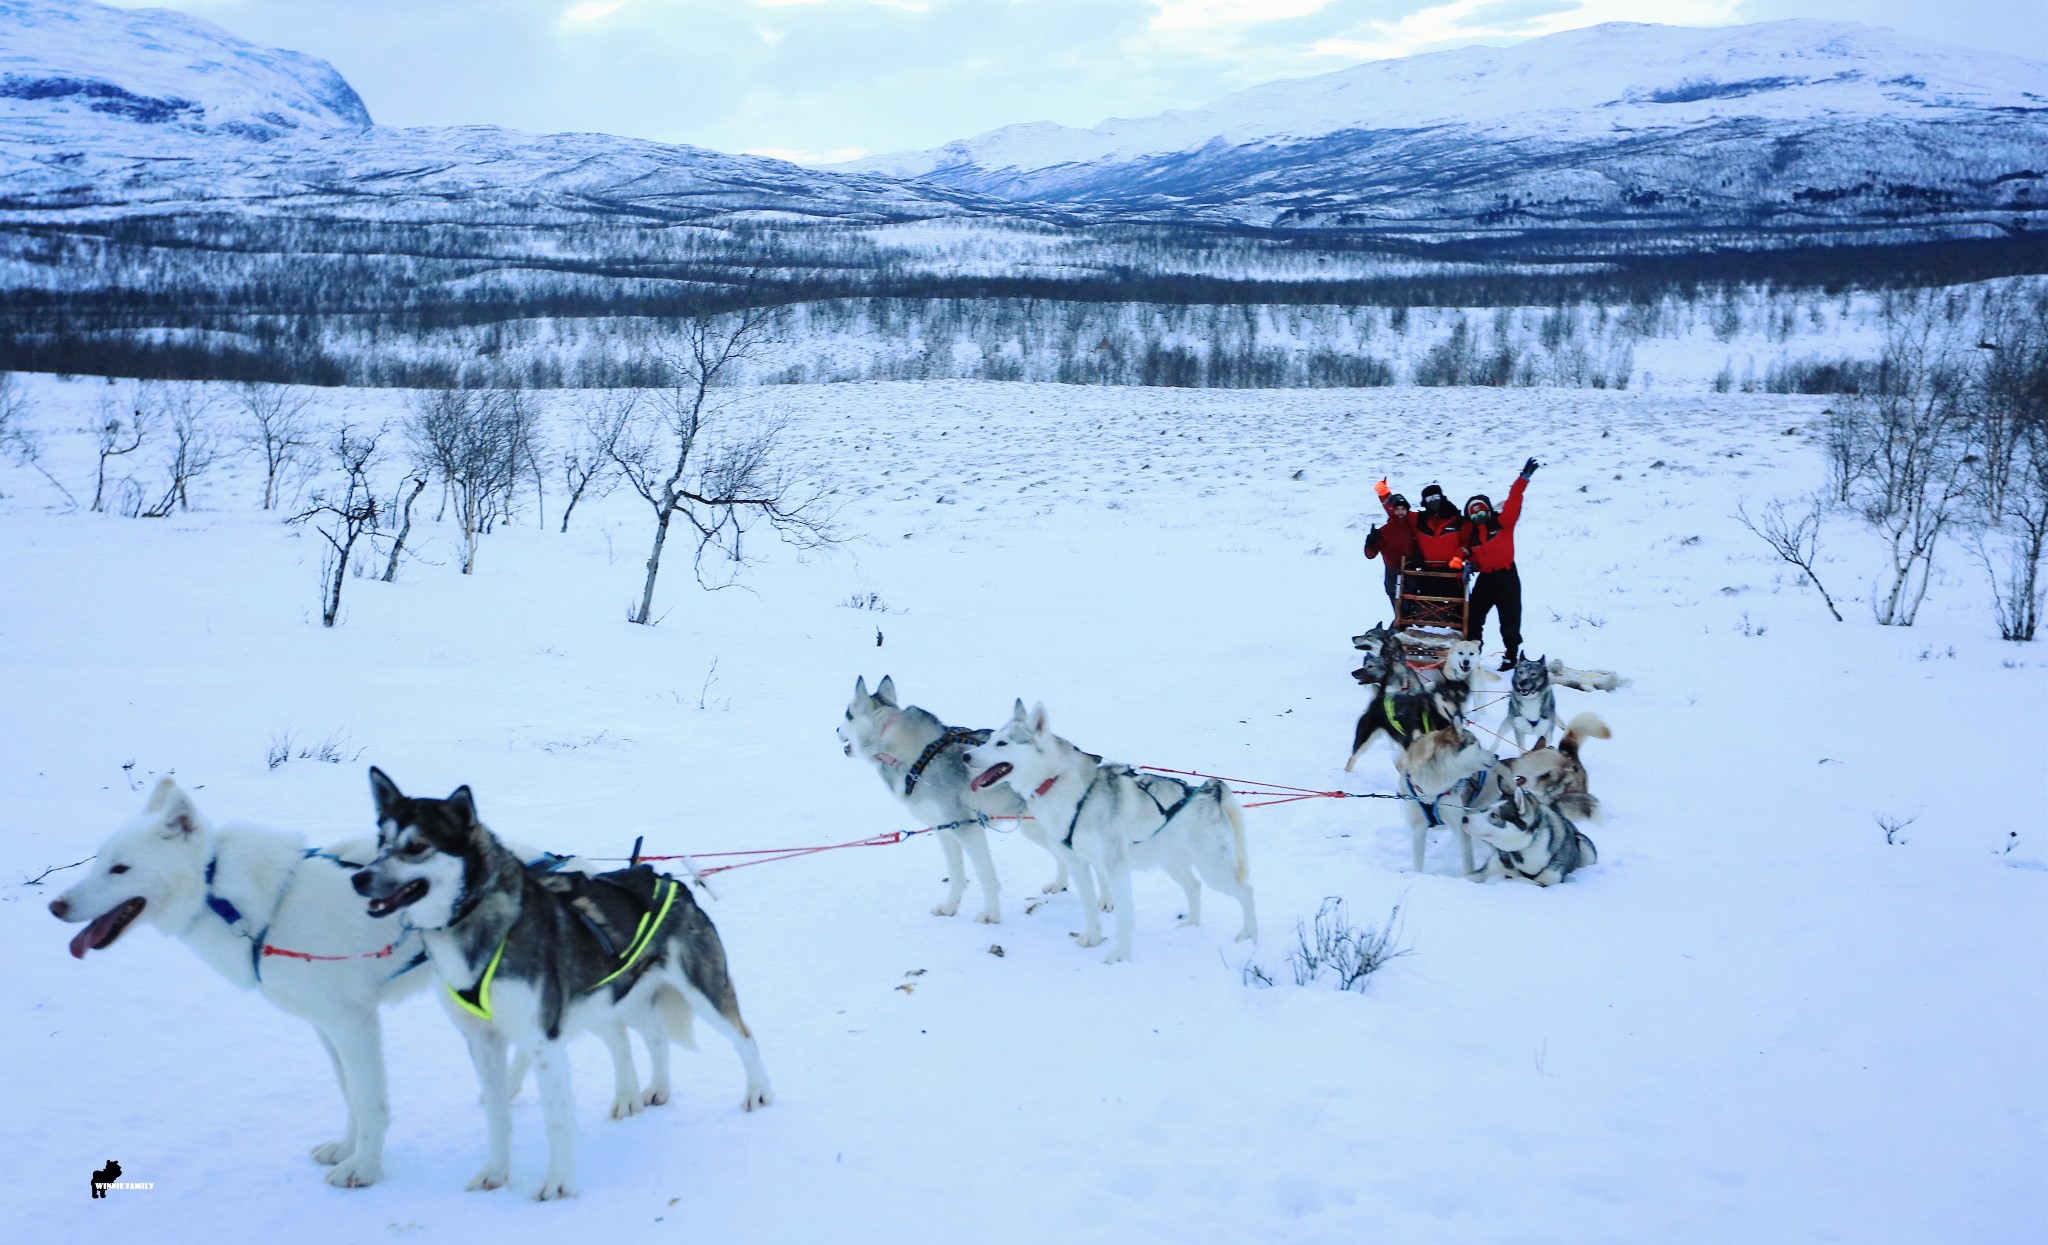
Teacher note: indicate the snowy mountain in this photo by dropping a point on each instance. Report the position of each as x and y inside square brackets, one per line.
[91, 73]
[105, 109]
[1737, 124]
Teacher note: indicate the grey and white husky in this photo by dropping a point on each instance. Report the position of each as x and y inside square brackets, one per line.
[1114, 819]
[1532, 703]
[920, 760]
[530, 958]
[1528, 832]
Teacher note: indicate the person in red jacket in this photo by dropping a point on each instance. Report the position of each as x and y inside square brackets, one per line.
[1490, 548]
[1395, 543]
[1439, 529]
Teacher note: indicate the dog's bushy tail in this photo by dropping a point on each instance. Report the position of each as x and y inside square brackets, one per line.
[1241, 866]
[1582, 727]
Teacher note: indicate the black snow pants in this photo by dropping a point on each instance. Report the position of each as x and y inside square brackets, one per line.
[1502, 589]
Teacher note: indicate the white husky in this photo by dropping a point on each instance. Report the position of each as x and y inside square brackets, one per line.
[1116, 819]
[267, 912]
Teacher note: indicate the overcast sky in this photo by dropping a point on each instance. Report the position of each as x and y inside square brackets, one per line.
[834, 79]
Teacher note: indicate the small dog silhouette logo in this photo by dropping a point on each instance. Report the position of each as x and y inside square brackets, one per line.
[104, 1177]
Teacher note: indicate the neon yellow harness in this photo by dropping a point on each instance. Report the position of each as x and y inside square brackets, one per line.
[477, 1002]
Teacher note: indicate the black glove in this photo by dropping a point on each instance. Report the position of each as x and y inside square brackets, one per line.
[1529, 468]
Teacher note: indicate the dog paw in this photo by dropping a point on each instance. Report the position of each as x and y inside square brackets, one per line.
[1053, 887]
[333, 1152]
[553, 1190]
[1088, 940]
[626, 1105]
[945, 909]
[1116, 957]
[487, 1179]
[757, 1098]
[657, 1097]
[350, 1174]
[1247, 934]
[990, 918]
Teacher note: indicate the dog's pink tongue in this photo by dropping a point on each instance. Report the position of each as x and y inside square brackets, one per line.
[89, 937]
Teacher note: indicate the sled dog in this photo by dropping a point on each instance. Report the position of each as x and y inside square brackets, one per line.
[1585, 680]
[1444, 774]
[236, 894]
[530, 958]
[1559, 771]
[1385, 664]
[257, 904]
[1115, 819]
[920, 760]
[1404, 715]
[1529, 835]
[1532, 703]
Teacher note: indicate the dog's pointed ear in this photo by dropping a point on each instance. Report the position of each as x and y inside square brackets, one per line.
[161, 796]
[860, 687]
[885, 691]
[462, 805]
[180, 818]
[386, 794]
[1018, 712]
[1038, 718]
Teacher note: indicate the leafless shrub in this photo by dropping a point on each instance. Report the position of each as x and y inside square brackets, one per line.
[1796, 540]
[590, 461]
[408, 493]
[693, 455]
[343, 513]
[481, 445]
[1905, 446]
[17, 440]
[121, 424]
[195, 445]
[1331, 946]
[278, 427]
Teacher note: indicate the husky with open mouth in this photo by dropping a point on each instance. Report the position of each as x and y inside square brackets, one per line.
[270, 913]
[529, 958]
[1115, 819]
[1529, 832]
[919, 758]
[265, 912]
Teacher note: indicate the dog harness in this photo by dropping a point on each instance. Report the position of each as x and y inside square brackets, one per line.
[1143, 783]
[477, 999]
[1466, 787]
[953, 735]
[259, 946]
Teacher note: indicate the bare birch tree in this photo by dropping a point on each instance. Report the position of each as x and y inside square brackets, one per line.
[195, 445]
[18, 441]
[695, 456]
[277, 425]
[480, 445]
[116, 435]
[589, 462]
[343, 514]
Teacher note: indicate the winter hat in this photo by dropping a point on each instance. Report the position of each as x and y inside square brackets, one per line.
[1481, 498]
[1395, 499]
[1431, 494]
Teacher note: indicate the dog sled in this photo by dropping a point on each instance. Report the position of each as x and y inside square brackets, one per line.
[1430, 607]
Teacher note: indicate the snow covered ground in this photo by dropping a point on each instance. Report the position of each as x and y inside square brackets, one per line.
[1754, 1020]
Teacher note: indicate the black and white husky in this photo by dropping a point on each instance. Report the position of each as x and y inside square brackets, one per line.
[921, 761]
[1528, 831]
[1403, 711]
[1114, 819]
[530, 958]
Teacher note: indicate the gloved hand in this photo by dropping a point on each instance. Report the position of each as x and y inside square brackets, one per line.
[1529, 468]
[1381, 488]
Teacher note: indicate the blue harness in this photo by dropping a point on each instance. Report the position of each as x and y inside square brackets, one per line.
[238, 924]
